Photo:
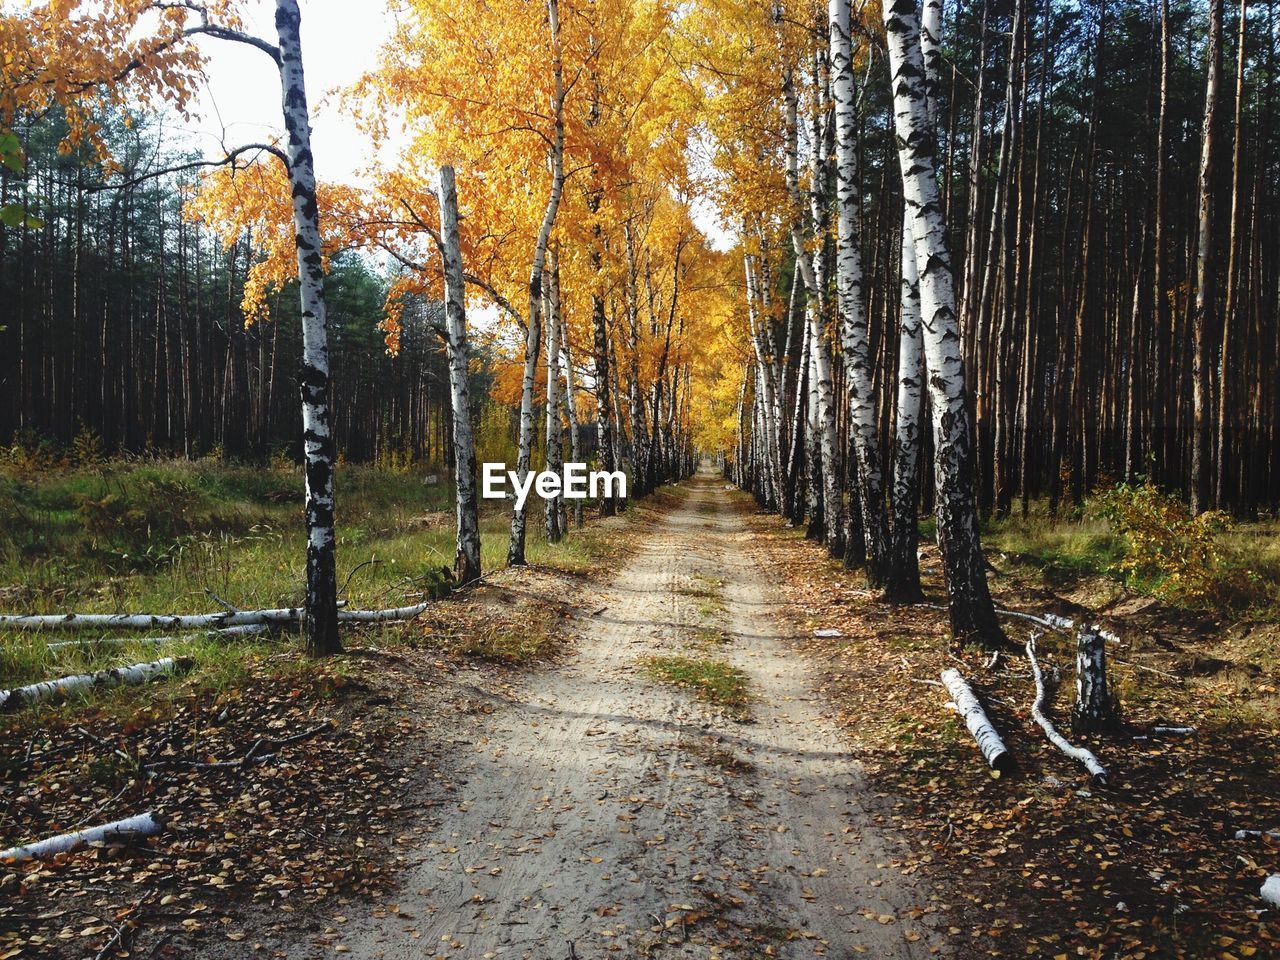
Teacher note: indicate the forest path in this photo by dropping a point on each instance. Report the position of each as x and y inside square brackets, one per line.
[606, 814]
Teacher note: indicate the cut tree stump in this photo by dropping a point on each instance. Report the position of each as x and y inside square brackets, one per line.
[56, 689]
[975, 718]
[1095, 709]
[132, 828]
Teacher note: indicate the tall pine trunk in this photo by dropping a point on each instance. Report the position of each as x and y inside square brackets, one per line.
[1200, 455]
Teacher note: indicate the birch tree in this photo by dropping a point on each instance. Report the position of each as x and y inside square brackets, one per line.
[467, 558]
[533, 332]
[321, 622]
[554, 513]
[820, 386]
[853, 320]
[902, 583]
[970, 607]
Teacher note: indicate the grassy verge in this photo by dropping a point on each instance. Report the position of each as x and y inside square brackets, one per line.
[711, 681]
[161, 536]
[1144, 541]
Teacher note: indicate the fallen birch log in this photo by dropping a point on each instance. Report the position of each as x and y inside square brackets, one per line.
[132, 828]
[250, 629]
[192, 621]
[1270, 891]
[1079, 754]
[1051, 621]
[56, 689]
[150, 621]
[975, 718]
[381, 616]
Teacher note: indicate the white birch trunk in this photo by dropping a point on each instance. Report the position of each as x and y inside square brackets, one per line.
[382, 616]
[571, 414]
[467, 555]
[149, 621]
[321, 621]
[975, 718]
[554, 509]
[813, 445]
[1094, 710]
[903, 569]
[863, 422]
[226, 622]
[639, 429]
[822, 413]
[132, 828]
[65, 686]
[902, 584]
[533, 330]
[251, 629]
[1270, 891]
[971, 610]
[766, 388]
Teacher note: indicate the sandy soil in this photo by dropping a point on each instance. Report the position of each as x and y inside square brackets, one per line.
[600, 813]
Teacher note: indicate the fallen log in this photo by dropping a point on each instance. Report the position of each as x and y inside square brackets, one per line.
[1052, 621]
[1079, 754]
[975, 718]
[192, 621]
[1271, 890]
[250, 629]
[381, 616]
[150, 621]
[131, 828]
[56, 689]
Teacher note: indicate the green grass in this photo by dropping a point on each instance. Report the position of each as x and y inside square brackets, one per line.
[159, 536]
[220, 667]
[711, 681]
[1063, 550]
[1069, 550]
[706, 589]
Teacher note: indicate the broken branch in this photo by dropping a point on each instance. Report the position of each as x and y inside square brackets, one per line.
[1080, 754]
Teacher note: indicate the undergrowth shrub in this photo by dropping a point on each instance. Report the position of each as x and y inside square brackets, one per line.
[1175, 555]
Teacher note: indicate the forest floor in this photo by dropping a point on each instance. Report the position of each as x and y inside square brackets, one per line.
[638, 747]
[1043, 863]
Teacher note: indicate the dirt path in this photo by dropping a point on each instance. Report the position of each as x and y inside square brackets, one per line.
[605, 814]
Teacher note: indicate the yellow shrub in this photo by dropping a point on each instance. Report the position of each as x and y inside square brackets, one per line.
[1176, 554]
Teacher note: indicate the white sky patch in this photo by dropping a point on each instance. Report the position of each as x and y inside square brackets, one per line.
[240, 101]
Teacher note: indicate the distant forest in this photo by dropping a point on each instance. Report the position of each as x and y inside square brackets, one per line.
[122, 318]
[1109, 175]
